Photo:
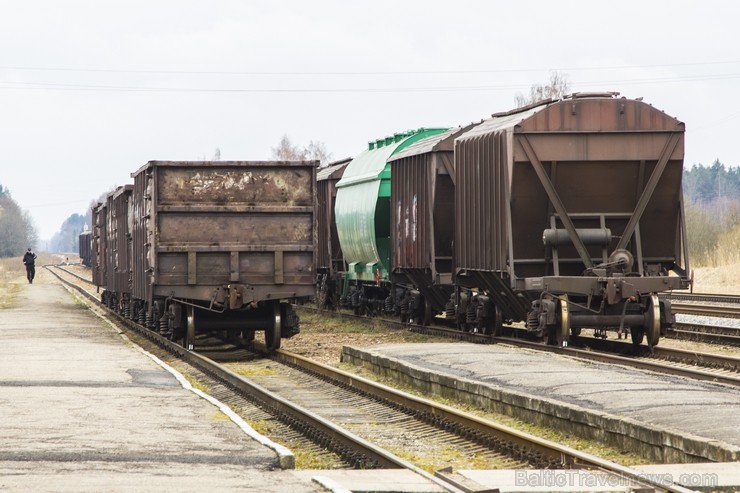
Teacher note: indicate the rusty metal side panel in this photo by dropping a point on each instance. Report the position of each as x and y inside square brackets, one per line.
[85, 248]
[412, 182]
[422, 212]
[110, 247]
[218, 223]
[324, 224]
[482, 229]
[329, 248]
[121, 239]
[140, 241]
[601, 114]
[99, 243]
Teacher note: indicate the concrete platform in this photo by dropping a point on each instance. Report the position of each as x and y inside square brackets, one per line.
[82, 410]
[664, 418]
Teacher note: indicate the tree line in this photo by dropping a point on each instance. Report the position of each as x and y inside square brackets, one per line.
[712, 197]
[17, 231]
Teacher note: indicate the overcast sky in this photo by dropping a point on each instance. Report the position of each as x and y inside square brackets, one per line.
[91, 90]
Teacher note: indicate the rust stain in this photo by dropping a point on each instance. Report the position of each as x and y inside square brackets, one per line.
[202, 182]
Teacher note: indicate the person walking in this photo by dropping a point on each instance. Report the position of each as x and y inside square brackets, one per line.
[29, 260]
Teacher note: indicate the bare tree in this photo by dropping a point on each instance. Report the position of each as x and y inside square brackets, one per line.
[557, 87]
[317, 151]
[287, 151]
[217, 154]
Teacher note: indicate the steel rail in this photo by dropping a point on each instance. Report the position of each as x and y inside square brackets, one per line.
[703, 297]
[707, 311]
[688, 333]
[710, 360]
[62, 268]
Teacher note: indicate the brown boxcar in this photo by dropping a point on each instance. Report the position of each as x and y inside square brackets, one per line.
[569, 214]
[422, 219]
[117, 286]
[330, 260]
[85, 247]
[218, 246]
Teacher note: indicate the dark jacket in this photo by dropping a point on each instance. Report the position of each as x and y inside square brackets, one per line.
[29, 258]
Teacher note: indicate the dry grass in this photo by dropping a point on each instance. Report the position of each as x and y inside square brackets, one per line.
[726, 252]
[13, 275]
[721, 274]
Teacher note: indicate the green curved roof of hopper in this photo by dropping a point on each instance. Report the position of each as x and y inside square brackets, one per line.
[366, 178]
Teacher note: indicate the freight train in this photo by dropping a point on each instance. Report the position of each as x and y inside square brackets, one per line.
[564, 215]
[221, 246]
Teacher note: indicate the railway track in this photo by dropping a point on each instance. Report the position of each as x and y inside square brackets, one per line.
[703, 297]
[690, 364]
[341, 412]
[709, 318]
[707, 310]
[710, 334]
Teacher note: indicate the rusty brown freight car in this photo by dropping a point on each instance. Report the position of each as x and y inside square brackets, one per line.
[219, 246]
[422, 221]
[330, 260]
[569, 215]
[85, 248]
[117, 286]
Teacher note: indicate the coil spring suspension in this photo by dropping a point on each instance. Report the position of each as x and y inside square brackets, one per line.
[450, 311]
[164, 326]
[470, 314]
[355, 298]
[141, 316]
[405, 305]
[389, 305]
[533, 320]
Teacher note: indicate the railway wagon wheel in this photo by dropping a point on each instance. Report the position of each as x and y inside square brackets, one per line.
[494, 325]
[272, 334]
[427, 316]
[652, 321]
